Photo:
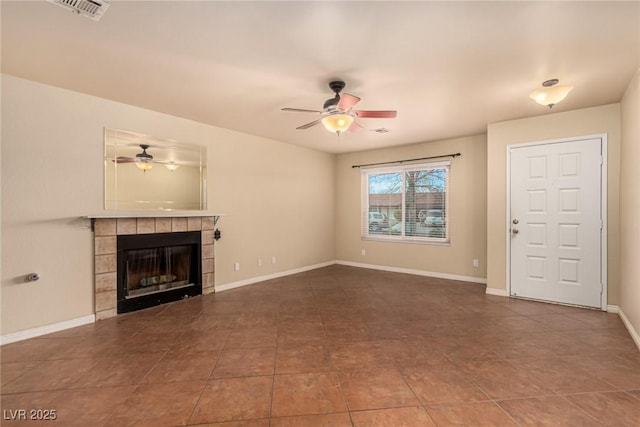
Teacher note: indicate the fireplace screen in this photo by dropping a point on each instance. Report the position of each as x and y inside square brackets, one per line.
[157, 269]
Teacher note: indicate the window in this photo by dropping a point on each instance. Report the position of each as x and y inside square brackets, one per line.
[406, 203]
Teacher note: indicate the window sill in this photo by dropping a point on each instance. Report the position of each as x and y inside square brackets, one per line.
[407, 240]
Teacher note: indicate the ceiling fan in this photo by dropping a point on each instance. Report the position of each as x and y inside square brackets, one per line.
[338, 113]
[144, 161]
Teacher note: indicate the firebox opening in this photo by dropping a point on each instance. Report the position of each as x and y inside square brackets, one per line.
[157, 268]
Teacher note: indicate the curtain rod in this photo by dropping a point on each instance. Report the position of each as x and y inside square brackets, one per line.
[453, 155]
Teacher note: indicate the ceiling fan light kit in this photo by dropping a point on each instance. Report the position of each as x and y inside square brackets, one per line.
[143, 160]
[144, 166]
[550, 93]
[337, 122]
[338, 114]
[172, 166]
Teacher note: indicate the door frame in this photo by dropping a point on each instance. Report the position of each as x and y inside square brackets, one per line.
[603, 207]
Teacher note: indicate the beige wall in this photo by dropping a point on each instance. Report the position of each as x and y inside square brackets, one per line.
[467, 208]
[279, 198]
[630, 206]
[589, 121]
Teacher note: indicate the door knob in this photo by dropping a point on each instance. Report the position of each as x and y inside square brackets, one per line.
[515, 220]
[515, 231]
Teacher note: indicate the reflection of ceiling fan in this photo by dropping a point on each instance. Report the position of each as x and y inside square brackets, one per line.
[338, 113]
[144, 161]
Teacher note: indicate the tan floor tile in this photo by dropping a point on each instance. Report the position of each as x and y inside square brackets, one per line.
[621, 372]
[244, 423]
[256, 320]
[405, 417]
[12, 370]
[152, 341]
[128, 369]
[358, 355]
[347, 332]
[441, 383]
[241, 362]
[157, 405]
[470, 414]
[253, 337]
[86, 407]
[192, 340]
[35, 349]
[375, 389]
[328, 420]
[234, 399]
[303, 358]
[50, 375]
[183, 366]
[501, 379]
[615, 408]
[563, 375]
[305, 394]
[289, 334]
[551, 411]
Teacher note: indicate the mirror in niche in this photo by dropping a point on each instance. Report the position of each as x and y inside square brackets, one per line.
[143, 172]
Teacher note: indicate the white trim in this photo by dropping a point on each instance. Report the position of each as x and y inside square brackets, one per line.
[613, 309]
[151, 213]
[481, 280]
[635, 336]
[604, 232]
[43, 330]
[252, 280]
[497, 292]
[604, 202]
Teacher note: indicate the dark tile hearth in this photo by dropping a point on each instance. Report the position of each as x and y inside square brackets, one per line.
[337, 346]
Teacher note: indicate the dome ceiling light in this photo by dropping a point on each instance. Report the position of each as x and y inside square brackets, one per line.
[550, 93]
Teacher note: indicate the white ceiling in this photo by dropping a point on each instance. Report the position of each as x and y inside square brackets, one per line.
[449, 68]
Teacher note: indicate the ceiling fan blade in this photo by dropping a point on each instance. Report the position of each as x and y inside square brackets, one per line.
[347, 101]
[301, 110]
[310, 124]
[376, 114]
[125, 160]
[355, 127]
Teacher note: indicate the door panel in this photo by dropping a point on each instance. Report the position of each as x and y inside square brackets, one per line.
[555, 206]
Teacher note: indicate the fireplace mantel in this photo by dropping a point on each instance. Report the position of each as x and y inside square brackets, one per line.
[153, 214]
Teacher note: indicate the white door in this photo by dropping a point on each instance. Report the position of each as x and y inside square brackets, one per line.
[556, 225]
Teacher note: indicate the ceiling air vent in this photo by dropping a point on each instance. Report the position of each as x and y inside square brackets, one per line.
[380, 130]
[92, 9]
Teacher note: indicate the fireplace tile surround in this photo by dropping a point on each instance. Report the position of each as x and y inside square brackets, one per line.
[106, 230]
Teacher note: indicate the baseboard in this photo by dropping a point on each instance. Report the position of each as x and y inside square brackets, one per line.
[472, 279]
[43, 330]
[635, 336]
[252, 280]
[613, 309]
[497, 292]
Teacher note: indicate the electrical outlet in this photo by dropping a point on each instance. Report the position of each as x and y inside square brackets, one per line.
[476, 263]
[363, 252]
[259, 262]
[236, 266]
[273, 260]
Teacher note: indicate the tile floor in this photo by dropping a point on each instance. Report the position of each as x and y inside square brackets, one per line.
[338, 346]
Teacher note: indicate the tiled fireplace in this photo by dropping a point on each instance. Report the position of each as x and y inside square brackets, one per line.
[106, 232]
